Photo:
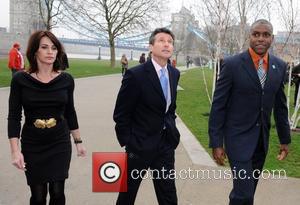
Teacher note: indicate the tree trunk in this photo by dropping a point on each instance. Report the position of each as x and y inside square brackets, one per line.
[216, 65]
[112, 51]
[242, 33]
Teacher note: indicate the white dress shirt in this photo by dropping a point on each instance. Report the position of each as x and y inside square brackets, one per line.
[158, 68]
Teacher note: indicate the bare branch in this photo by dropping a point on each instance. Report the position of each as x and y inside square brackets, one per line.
[113, 17]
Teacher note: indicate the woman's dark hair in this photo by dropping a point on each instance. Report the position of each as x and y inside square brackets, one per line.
[33, 46]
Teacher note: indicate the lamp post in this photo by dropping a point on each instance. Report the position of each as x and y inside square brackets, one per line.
[131, 55]
[99, 56]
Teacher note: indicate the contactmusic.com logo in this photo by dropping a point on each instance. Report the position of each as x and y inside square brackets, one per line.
[109, 172]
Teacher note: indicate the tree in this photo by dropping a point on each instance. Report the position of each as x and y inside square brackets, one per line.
[248, 9]
[109, 19]
[288, 10]
[216, 17]
[289, 16]
[49, 10]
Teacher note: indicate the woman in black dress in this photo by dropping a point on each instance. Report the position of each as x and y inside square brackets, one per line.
[46, 96]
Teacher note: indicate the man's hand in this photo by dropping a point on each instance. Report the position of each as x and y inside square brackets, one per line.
[283, 152]
[219, 155]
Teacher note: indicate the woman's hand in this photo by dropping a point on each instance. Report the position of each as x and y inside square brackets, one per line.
[18, 160]
[81, 151]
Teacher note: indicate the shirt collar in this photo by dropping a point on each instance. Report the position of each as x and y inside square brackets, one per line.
[255, 57]
[158, 67]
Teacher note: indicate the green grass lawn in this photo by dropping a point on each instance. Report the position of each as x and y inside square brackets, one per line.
[5, 73]
[78, 68]
[193, 107]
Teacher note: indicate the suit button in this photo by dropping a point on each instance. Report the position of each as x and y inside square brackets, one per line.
[262, 109]
[263, 93]
[257, 124]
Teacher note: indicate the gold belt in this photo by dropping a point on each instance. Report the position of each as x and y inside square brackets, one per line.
[44, 123]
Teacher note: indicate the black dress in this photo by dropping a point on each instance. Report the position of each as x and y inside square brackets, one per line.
[47, 152]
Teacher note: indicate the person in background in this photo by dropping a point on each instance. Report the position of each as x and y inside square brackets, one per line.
[169, 61]
[124, 63]
[188, 61]
[173, 63]
[15, 59]
[45, 94]
[149, 56]
[296, 80]
[142, 58]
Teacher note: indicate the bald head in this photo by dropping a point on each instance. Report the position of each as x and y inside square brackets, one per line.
[261, 22]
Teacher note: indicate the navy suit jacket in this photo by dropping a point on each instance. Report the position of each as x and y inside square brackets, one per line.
[140, 109]
[241, 109]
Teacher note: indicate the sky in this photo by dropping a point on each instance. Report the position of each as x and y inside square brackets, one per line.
[174, 6]
[4, 10]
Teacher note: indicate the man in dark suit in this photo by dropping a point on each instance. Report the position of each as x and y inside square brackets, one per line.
[251, 84]
[296, 79]
[145, 120]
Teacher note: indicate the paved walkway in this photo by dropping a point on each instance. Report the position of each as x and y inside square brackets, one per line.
[95, 99]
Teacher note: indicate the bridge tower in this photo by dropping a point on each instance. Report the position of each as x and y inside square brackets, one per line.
[186, 43]
[24, 17]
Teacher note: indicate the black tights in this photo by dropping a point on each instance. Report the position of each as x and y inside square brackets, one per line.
[56, 192]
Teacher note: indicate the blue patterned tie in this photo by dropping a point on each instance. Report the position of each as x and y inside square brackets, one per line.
[164, 82]
[261, 73]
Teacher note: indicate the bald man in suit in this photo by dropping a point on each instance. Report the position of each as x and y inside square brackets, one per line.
[250, 86]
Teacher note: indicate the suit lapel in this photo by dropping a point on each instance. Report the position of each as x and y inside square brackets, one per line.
[273, 70]
[171, 81]
[272, 73]
[152, 75]
[250, 68]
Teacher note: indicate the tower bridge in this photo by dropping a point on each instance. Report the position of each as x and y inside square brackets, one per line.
[184, 26]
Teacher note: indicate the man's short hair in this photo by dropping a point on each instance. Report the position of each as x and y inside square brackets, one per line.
[160, 30]
[260, 22]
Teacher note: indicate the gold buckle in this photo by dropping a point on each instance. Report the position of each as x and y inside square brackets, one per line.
[43, 123]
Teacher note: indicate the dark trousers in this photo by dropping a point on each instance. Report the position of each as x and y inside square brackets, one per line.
[124, 69]
[13, 71]
[160, 163]
[247, 174]
[296, 91]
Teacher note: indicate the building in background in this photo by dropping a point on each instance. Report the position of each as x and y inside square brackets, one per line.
[290, 51]
[24, 18]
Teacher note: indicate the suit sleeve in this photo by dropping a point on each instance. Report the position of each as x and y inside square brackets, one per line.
[219, 106]
[172, 110]
[281, 114]
[125, 106]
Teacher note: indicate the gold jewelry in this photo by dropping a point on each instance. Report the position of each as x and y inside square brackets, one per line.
[50, 123]
[51, 75]
[42, 123]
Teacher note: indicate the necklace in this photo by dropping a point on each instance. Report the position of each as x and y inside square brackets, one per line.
[51, 76]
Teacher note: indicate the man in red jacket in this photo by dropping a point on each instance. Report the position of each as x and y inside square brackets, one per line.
[15, 61]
